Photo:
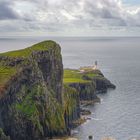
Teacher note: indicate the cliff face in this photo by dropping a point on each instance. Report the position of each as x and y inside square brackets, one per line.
[71, 105]
[31, 92]
[102, 84]
[87, 82]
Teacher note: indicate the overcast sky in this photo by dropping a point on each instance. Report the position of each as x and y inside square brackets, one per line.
[70, 17]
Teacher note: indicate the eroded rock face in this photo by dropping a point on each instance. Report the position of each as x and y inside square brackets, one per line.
[102, 84]
[97, 84]
[86, 90]
[31, 102]
[50, 65]
[3, 136]
[71, 106]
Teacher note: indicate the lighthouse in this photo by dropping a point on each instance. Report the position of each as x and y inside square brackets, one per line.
[95, 65]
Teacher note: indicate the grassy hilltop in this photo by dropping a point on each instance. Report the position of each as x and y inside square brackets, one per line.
[42, 46]
[75, 76]
[8, 71]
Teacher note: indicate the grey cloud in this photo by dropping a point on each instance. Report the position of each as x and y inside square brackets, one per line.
[6, 12]
[108, 10]
[64, 15]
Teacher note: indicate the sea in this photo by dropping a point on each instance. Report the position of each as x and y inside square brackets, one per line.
[118, 114]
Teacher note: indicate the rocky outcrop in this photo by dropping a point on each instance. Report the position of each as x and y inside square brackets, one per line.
[3, 136]
[31, 99]
[87, 83]
[102, 84]
[86, 90]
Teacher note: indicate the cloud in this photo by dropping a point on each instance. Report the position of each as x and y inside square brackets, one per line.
[6, 12]
[68, 16]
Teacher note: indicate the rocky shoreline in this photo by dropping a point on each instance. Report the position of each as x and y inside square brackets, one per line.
[38, 99]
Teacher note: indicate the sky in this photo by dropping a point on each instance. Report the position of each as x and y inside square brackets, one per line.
[69, 17]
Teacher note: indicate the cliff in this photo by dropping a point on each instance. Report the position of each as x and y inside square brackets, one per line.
[31, 92]
[36, 100]
[87, 82]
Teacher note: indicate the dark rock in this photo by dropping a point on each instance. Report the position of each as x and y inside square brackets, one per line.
[31, 102]
[90, 137]
[102, 84]
[3, 136]
[86, 90]
[85, 112]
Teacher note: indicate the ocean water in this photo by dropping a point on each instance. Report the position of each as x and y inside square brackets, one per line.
[118, 114]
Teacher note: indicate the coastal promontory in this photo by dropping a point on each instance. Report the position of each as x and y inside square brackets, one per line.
[38, 99]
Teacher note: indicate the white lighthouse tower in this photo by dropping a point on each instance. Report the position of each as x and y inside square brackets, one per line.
[95, 65]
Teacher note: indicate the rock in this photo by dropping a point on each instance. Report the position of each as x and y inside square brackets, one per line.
[108, 138]
[102, 84]
[90, 137]
[85, 112]
[78, 122]
[31, 102]
[86, 91]
[88, 83]
[3, 136]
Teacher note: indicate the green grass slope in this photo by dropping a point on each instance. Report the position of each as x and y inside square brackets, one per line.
[6, 72]
[75, 76]
[45, 45]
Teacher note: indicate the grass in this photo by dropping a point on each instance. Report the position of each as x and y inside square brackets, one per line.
[6, 73]
[74, 76]
[69, 99]
[45, 45]
[27, 107]
[91, 74]
[28, 104]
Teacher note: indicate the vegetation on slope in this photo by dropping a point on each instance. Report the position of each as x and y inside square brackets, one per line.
[6, 73]
[69, 99]
[75, 76]
[34, 105]
[45, 45]
[29, 104]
